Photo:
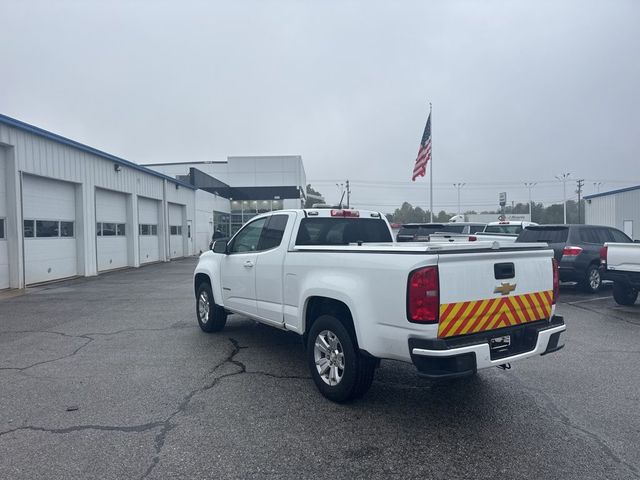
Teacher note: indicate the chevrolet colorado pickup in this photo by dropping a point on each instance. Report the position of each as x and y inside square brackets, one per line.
[336, 278]
[620, 262]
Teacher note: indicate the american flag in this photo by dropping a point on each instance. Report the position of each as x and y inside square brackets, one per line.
[424, 152]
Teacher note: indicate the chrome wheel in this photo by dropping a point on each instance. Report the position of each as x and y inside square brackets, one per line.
[594, 279]
[329, 357]
[203, 307]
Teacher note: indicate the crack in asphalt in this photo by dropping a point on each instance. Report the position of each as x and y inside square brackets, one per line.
[555, 410]
[77, 428]
[22, 369]
[168, 425]
[86, 336]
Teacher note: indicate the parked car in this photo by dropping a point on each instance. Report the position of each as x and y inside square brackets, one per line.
[421, 232]
[418, 232]
[620, 263]
[506, 227]
[463, 227]
[336, 278]
[576, 248]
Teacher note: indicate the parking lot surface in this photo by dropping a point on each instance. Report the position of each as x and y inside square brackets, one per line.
[110, 377]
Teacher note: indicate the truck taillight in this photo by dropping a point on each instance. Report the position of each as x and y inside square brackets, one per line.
[473, 238]
[571, 251]
[345, 213]
[556, 281]
[603, 255]
[423, 295]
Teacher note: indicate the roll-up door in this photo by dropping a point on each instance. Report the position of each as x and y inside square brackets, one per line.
[148, 230]
[49, 225]
[111, 229]
[175, 230]
[4, 253]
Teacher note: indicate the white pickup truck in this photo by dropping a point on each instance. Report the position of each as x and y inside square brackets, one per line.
[336, 278]
[620, 262]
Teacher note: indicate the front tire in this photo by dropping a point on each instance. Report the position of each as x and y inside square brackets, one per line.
[592, 280]
[624, 294]
[338, 369]
[211, 317]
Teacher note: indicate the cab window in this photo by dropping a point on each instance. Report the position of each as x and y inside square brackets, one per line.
[248, 238]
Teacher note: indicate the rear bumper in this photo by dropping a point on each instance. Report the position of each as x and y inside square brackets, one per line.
[463, 356]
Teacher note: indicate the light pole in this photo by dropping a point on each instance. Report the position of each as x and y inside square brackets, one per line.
[563, 178]
[459, 186]
[596, 185]
[530, 185]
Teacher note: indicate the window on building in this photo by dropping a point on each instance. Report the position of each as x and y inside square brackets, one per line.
[108, 229]
[66, 229]
[121, 229]
[1, 228]
[143, 229]
[29, 228]
[99, 229]
[222, 223]
[154, 229]
[47, 228]
[176, 229]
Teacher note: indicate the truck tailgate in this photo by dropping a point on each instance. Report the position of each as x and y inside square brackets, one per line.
[623, 257]
[491, 290]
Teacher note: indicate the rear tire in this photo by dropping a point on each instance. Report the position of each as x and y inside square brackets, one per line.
[592, 280]
[624, 294]
[211, 317]
[338, 369]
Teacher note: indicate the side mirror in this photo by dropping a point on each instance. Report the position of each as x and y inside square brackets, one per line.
[220, 246]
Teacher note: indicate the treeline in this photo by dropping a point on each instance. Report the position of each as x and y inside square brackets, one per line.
[539, 213]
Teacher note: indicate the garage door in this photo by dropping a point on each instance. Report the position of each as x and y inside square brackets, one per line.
[111, 229]
[4, 254]
[49, 211]
[148, 230]
[175, 230]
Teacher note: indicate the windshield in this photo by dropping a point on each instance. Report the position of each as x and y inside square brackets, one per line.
[545, 234]
[453, 228]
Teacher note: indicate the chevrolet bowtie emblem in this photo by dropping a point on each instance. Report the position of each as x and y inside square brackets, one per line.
[505, 288]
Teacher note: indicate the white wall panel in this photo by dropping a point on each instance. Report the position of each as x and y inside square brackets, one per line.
[111, 206]
[4, 250]
[47, 199]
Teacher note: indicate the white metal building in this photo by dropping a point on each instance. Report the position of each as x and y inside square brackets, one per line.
[67, 209]
[616, 208]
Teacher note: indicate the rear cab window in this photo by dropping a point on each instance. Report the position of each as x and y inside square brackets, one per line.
[342, 231]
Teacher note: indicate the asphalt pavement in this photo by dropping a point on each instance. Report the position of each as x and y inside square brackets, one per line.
[110, 377]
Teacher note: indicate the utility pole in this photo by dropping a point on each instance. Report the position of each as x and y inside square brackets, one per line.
[348, 192]
[459, 186]
[530, 185]
[341, 190]
[580, 184]
[563, 178]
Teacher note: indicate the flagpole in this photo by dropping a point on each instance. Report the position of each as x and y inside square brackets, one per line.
[431, 172]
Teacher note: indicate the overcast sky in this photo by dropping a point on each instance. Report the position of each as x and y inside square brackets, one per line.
[521, 91]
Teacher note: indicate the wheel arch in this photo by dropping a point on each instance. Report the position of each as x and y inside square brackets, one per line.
[317, 305]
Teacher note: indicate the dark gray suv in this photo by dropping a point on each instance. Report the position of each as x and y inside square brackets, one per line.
[576, 248]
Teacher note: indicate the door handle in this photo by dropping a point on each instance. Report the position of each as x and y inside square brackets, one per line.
[248, 264]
